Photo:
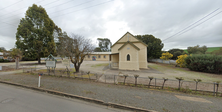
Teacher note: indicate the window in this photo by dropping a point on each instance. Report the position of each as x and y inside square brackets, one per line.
[88, 56]
[128, 57]
[99, 56]
[104, 56]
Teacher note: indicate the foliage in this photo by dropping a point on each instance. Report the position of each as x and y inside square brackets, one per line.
[204, 63]
[4, 60]
[154, 47]
[28, 59]
[197, 50]
[2, 49]
[217, 52]
[181, 60]
[176, 52]
[14, 52]
[166, 56]
[104, 44]
[75, 47]
[97, 49]
[34, 35]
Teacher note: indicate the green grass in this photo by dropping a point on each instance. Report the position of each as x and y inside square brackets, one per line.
[209, 49]
[101, 64]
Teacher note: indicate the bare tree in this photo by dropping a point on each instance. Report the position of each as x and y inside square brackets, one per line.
[76, 47]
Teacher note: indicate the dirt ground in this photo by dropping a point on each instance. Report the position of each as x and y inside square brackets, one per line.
[162, 101]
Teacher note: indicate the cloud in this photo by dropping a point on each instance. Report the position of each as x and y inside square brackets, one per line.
[112, 19]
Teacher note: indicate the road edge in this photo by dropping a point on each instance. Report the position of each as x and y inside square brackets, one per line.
[109, 104]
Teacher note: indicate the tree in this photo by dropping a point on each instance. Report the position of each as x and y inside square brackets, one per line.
[97, 49]
[34, 35]
[104, 44]
[2, 49]
[16, 54]
[176, 52]
[197, 50]
[154, 47]
[166, 56]
[75, 47]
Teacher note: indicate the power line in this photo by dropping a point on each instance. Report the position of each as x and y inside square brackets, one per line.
[200, 23]
[10, 5]
[191, 24]
[16, 11]
[79, 9]
[72, 6]
[85, 8]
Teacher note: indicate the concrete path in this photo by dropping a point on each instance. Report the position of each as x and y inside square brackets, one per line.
[13, 99]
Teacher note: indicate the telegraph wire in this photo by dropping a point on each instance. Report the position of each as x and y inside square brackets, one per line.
[75, 10]
[178, 33]
[200, 23]
[72, 6]
[84, 8]
[10, 5]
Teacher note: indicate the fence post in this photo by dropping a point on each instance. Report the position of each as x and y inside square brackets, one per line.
[105, 78]
[214, 88]
[114, 80]
[155, 82]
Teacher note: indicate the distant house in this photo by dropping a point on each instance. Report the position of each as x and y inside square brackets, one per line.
[98, 56]
[129, 53]
[2, 56]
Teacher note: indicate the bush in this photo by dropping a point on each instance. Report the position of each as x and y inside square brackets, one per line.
[181, 60]
[166, 56]
[28, 59]
[204, 63]
[4, 60]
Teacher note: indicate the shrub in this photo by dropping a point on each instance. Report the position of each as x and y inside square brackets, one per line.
[166, 56]
[181, 60]
[4, 60]
[204, 63]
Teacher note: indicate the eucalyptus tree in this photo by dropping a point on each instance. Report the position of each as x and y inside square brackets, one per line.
[34, 36]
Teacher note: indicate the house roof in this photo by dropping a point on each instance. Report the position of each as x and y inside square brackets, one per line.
[131, 35]
[128, 42]
[100, 53]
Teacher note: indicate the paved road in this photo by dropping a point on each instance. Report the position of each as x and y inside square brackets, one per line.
[14, 99]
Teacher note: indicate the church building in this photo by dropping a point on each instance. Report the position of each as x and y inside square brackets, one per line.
[128, 53]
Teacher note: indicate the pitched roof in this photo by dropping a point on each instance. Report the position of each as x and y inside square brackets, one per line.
[132, 36]
[128, 42]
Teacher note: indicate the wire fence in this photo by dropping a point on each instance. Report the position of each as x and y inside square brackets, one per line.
[211, 87]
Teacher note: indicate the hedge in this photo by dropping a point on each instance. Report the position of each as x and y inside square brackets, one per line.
[204, 63]
[4, 60]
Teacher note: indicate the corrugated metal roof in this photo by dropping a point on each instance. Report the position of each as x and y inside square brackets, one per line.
[100, 53]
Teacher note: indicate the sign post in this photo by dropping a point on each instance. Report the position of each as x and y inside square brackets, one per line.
[39, 80]
[51, 63]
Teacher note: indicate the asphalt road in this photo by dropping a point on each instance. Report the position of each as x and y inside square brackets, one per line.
[15, 99]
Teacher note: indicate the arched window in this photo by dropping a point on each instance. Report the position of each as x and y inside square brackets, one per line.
[128, 57]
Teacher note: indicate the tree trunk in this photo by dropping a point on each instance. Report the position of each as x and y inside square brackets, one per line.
[39, 60]
[17, 62]
[77, 68]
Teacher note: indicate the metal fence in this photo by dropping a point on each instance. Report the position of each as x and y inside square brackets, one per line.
[214, 88]
[163, 61]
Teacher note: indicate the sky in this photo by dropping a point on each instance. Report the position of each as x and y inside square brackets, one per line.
[178, 23]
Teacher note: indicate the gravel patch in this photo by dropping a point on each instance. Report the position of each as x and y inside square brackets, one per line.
[139, 97]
